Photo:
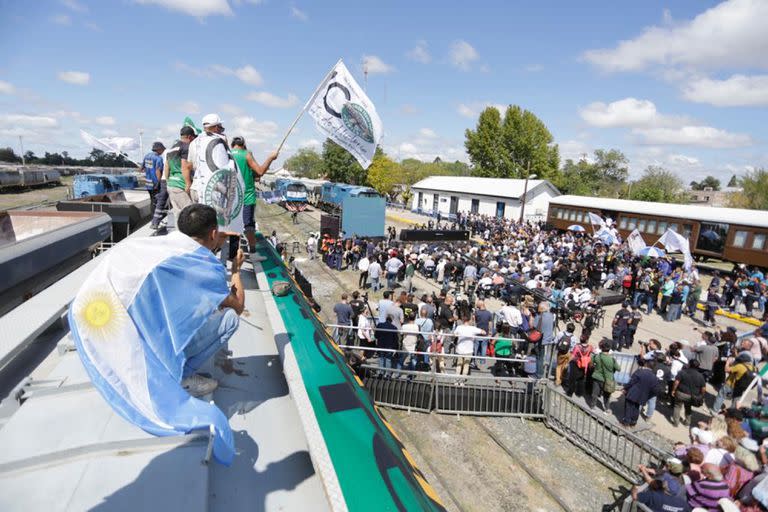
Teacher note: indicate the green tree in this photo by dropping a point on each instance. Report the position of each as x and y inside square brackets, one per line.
[612, 171]
[580, 178]
[485, 146]
[754, 191]
[733, 182]
[306, 163]
[9, 155]
[708, 182]
[339, 165]
[508, 148]
[658, 185]
[385, 175]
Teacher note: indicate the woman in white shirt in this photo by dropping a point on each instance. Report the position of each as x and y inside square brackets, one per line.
[365, 331]
[410, 338]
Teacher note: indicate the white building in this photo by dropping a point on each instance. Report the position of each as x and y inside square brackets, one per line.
[497, 197]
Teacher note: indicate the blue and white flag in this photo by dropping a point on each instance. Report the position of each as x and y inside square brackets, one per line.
[606, 236]
[131, 321]
[595, 219]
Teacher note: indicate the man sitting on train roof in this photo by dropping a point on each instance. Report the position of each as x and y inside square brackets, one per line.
[198, 221]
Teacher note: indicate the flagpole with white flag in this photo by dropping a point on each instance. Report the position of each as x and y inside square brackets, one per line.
[307, 104]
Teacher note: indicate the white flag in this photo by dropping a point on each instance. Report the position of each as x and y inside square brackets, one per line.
[635, 242]
[116, 145]
[595, 219]
[675, 242]
[343, 113]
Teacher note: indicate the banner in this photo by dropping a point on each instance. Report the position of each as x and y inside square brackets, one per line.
[343, 113]
[675, 242]
[606, 236]
[116, 145]
[635, 242]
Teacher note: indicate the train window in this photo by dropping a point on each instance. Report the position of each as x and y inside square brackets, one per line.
[579, 216]
[687, 228]
[571, 214]
[623, 223]
[740, 238]
[712, 237]
[651, 227]
[662, 227]
[632, 223]
[758, 241]
[641, 225]
[560, 213]
[673, 227]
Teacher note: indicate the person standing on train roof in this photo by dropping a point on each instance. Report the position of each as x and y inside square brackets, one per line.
[208, 153]
[152, 167]
[179, 171]
[251, 171]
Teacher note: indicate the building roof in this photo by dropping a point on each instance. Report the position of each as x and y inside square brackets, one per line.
[756, 218]
[495, 187]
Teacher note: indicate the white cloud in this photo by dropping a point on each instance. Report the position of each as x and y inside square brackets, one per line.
[27, 121]
[666, 17]
[473, 110]
[6, 88]
[74, 5]
[270, 100]
[108, 132]
[683, 160]
[736, 91]
[196, 8]
[247, 74]
[255, 132]
[375, 66]
[574, 150]
[408, 148]
[728, 35]
[74, 77]
[105, 121]
[230, 109]
[428, 133]
[703, 136]
[188, 107]
[310, 143]
[463, 55]
[61, 19]
[408, 109]
[299, 14]
[419, 53]
[626, 112]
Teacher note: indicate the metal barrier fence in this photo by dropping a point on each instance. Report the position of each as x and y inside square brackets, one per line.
[598, 436]
[594, 433]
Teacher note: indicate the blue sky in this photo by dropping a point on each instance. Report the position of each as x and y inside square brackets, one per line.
[682, 84]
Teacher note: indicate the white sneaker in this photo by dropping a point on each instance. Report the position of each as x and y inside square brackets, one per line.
[198, 386]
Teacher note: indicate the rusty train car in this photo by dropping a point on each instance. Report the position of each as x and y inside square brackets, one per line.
[731, 234]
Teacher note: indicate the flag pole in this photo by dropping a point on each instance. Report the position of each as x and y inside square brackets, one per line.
[307, 104]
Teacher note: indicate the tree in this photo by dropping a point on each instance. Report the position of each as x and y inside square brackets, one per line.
[385, 175]
[580, 178]
[508, 148]
[9, 155]
[339, 165]
[612, 171]
[733, 182]
[306, 163]
[658, 185]
[754, 191]
[485, 147]
[708, 182]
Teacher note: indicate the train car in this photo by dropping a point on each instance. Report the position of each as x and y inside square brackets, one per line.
[294, 193]
[731, 234]
[333, 194]
[314, 189]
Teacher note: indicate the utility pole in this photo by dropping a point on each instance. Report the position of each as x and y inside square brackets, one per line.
[21, 143]
[525, 193]
[141, 143]
[365, 75]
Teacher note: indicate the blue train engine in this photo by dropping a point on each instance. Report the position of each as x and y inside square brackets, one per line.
[293, 192]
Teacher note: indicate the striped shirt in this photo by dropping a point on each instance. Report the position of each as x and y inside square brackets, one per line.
[706, 493]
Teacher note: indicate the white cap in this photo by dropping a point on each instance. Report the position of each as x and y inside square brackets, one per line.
[211, 120]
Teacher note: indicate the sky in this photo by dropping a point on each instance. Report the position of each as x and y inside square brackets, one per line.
[680, 84]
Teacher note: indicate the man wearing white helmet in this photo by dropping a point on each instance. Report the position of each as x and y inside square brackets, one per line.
[208, 153]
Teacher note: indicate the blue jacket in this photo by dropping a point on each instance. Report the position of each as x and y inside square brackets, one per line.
[641, 386]
[152, 165]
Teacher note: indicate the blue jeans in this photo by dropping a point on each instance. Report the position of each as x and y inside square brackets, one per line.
[650, 408]
[209, 339]
[481, 347]
[650, 300]
[543, 358]
[637, 297]
[391, 280]
[722, 395]
[375, 284]
[673, 312]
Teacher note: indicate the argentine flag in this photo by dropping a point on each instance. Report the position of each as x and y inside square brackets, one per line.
[131, 321]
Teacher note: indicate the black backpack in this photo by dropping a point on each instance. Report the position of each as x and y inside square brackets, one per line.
[743, 383]
[421, 343]
[564, 345]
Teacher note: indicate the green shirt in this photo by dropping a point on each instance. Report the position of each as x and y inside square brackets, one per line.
[605, 366]
[173, 157]
[503, 347]
[241, 158]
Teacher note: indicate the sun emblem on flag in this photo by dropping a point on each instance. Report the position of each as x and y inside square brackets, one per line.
[99, 314]
[357, 120]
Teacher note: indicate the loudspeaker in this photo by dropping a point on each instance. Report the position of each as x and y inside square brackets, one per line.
[330, 225]
[432, 235]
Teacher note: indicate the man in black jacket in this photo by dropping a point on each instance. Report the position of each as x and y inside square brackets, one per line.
[642, 386]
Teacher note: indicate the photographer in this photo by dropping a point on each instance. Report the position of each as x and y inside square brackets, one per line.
[650, 349]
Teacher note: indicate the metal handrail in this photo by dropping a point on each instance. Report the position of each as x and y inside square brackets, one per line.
[432, 354]
[432, 333]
